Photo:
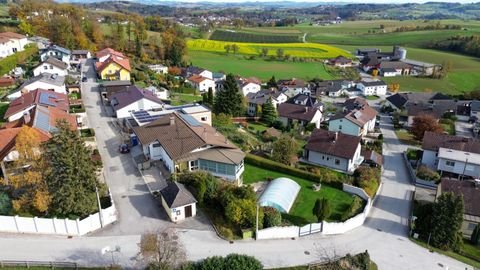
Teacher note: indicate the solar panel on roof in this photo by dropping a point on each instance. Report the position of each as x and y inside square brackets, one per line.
[190, 120]
[45, 99]
[42, 121]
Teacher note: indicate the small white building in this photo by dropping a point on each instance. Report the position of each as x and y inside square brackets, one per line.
[135, 99]
[10, 43]
[249, 87]
[52, 66]
[202, 84]
[58, 52]
[159, 69]
[161, 93]
[45, 81]
[374, 88]
[192, 71]
[178, 202]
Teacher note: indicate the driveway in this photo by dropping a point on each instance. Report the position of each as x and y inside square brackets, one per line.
[464, 129]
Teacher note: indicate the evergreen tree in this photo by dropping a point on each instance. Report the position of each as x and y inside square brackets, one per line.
[272, 83]
[72, 176]
[229, 100]
[210, 96]
[447, 218]
[475, 237]
[321, 210]
[269, 113]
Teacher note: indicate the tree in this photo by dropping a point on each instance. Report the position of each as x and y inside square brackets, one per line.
[222, 120]
[72, 174]
[162, 251]
[280, 53]
[228, 48]
[269, 113]
[321, 210]
[242, 212]
[475, 237]
[271, 217]
[272, 83]
[235, 48]
[447, 218]
[210, 98]
[174, 46]
[229, 100]
[31, 190]
[264, 52]
[424, 123]
[375, 72]
[285, 150]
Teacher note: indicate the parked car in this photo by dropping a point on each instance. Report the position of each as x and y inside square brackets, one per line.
[124, 149]
[84, 79]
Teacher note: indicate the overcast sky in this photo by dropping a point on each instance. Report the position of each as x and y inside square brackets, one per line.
[349, 1]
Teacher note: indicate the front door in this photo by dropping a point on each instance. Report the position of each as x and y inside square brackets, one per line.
[188, 211]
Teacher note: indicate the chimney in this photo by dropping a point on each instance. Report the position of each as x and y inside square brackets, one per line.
[306, 109]
[336, 137]
[26, 117]
[172, 121]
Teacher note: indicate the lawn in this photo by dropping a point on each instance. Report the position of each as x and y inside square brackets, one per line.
[259, 68]
[301, 212]
[3, 109]
[257, 127]
[449, 128]
[180, 99]
[3, 10]
[405, 137]
[372, 97]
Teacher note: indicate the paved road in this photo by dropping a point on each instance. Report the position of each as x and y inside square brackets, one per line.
[463, 129]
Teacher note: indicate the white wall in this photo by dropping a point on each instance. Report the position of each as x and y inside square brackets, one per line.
[203, 117]
[172, 212]
[48, 68]
[143, 104]
[278, 232]
[33, 86]
[344, 126]
[250, 88]
[328, 160]
[19, 115]
[429, 158]
[207, 74]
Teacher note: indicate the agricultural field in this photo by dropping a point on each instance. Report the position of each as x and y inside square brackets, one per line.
[3, 10]
[260, 68]
[301, 50]
[238, 36]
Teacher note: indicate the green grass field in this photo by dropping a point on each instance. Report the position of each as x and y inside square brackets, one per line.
[301, 212]
[259, 68]
[180, 99]
[3, 10]
[240, 36]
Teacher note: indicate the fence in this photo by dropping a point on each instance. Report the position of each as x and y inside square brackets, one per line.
[28, 264]
[16, 224]
[326, 228]
[413, 176]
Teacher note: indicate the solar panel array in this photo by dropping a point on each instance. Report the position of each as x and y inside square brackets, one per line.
[145, 117]
[190, 120]
[42, 121]
[45, 99]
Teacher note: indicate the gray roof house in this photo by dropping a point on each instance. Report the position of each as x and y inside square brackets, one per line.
[178, 202]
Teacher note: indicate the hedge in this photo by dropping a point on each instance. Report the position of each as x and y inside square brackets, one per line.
[279, 167]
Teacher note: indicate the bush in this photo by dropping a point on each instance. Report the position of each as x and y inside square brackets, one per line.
[5, 204]
[368, 179]
[231, 262]
[425, 173]
[271, 217]
[412, 154]
[354, 208]
[89, 132]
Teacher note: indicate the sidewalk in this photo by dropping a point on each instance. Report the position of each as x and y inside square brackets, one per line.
[154, 178]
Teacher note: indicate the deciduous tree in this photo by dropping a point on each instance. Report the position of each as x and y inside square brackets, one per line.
[424, 123]
[285, 150]
[162, 251]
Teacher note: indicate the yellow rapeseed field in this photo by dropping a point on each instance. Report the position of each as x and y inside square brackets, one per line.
[302, 50]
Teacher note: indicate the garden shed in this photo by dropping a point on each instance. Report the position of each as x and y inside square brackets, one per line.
[280, 194]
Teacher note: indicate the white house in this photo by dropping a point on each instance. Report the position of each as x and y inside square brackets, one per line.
[178, 202]
[202, 84]
[199, 112]
[78, 56]
[45, 81]
[192, 71]
[293, 87]
[161, 93]
[255, 100]
[249, 85]
[390, 72]
[357, 119]
[58, 52]
[333, 150]
[135, 99]
[374, 88]
[52, 66]
[11, 43]
[184, 144]
[160, 69]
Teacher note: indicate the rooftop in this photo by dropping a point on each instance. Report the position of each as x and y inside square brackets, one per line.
[434, 141]
[333, 143]
[296, 111]
[470, 192]
[176, 195]
[38, 97]
[134, 94]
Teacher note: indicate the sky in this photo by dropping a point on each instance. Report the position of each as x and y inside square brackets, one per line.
[349, 1]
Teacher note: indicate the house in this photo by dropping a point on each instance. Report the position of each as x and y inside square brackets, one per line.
[293, 87]
[109, 88]
[53, 66]
[184, 144]
[333, 150]
[199, 112]
[178, 202]
[388, 72]
[400, 101]
[249, 85]
[106, 53]
[256, 100]
[357, 119]
[114, 68]
[45, 119]
[420, 68]
[25, 103]
[372, 88]
[401, 68]
[296, 114]
[306, 100]
[161, 93]
[475, 109]
[46, 81]
[10, 43]
[135, 99]
[372, 158]
[192, 71]
[159, 69]
[436, 110]
[78, 56]
[55, 51]
[218, 76]
[333, 88]
[470, 192]
[340, 61]
[202, 84]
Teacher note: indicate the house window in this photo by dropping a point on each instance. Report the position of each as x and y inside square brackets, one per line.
[193, 165]
[337, 161]
[156, 145]
[45, 67]
[450, 163]
[178, 212]
[51, 67]
[328, 158]
[323, 157]
[340, 127]
[204, 118]
[471, 226]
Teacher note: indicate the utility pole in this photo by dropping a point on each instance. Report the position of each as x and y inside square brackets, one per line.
[100, 213]
[256, 225]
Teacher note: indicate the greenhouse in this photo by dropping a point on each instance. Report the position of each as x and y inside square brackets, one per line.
[280, 194]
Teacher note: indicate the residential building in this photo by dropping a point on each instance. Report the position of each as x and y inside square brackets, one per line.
[306, 100]
[249, 85]
[24, 104]
[201, 84]
[158, 68]
[10, 43]
[373, 88]
[135, 99]
[470, 192]
[199, 112]
[436, 110]
[192, 71]
[475, 109]
[389, 72]
[161, 93]
[114, 68]
[256, 100]
[184, 144]
[293, 87]
[218, 77]
[333, 88]
[333, 150]
[452, 155]
[401, 68]
[78, 56]
[178, 202]
[301, 115]
[106, 53]
[55, 51]
[110, 88]
[357, 119]
[400, 101]
[46, 81]
[53, 66]
[340, 61]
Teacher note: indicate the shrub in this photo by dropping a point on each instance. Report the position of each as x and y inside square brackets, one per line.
[231, 262]
[271, 217]
[412, 154]
[368, 179]
[425, 173]
[354, 208]
[5, 204]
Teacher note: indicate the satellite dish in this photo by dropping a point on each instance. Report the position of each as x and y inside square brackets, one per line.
[105, 250]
